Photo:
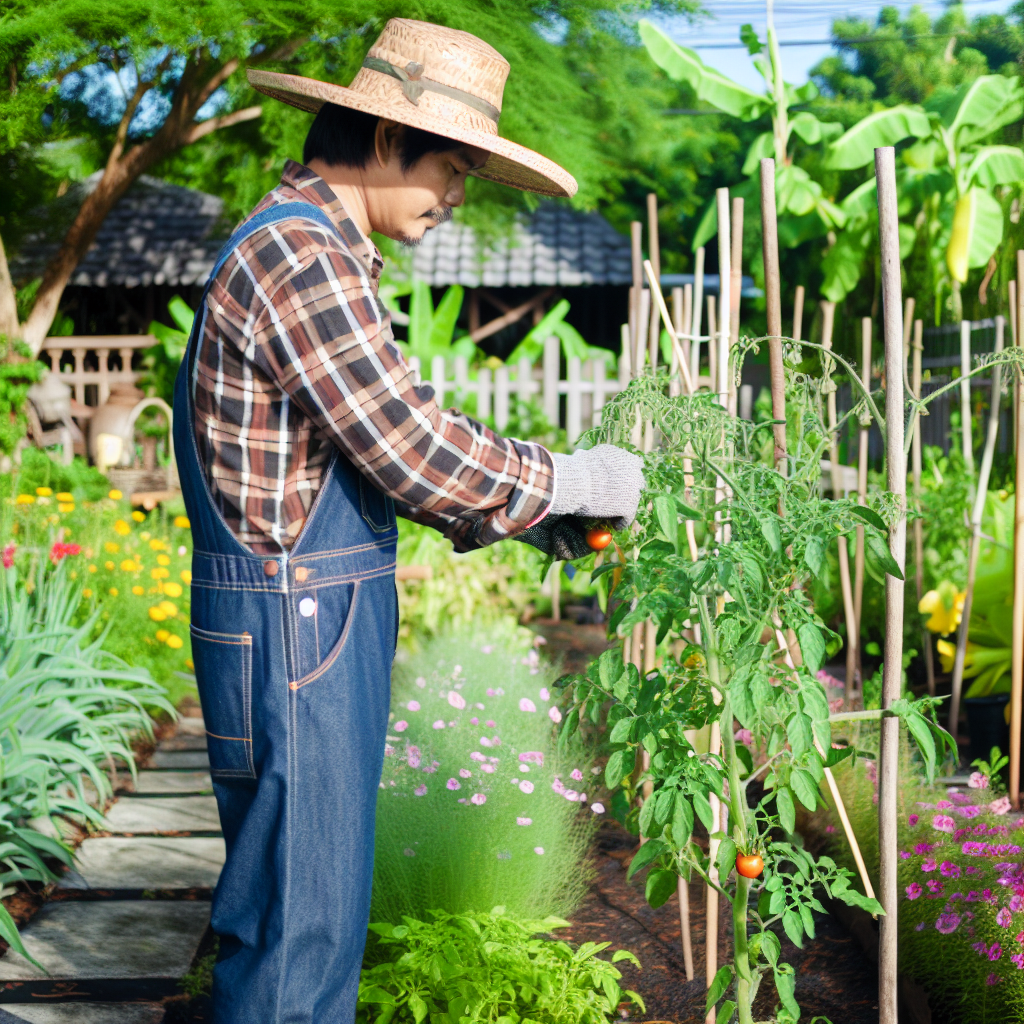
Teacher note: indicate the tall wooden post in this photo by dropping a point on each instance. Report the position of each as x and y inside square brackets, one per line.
[1017, 650]
[773, 300]
[724, 296]
[896, 473]
[735, 288]
[862, 485]
[654, 249]
[967, 442]
[698, 309]
[798, 313]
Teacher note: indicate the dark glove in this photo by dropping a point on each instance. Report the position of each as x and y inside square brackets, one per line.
[562, 537]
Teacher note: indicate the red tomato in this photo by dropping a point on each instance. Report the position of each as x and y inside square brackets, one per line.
[749, 865]
[598, 538]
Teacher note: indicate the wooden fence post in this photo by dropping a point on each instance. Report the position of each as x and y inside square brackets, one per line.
[501, 395]
[573, 402]
[1017, 649]
[552, 359]
[773, 298]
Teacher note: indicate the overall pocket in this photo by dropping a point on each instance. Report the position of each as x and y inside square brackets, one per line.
[377, 509]
[224, 673]
[322, 624]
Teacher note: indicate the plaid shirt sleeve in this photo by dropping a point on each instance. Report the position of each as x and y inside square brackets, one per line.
[321, 336]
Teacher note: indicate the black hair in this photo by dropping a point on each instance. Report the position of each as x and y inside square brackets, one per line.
[342, 136]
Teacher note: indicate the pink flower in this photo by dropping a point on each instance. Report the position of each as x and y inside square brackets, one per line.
[401, 726]
[539, 850]
[993, 979]
[571, 795]
[478, 706]
[943, 805]
[947, 923]
[597, 808]
[439, 724]
[491, 692]
[943, 823]
[453, 784]
[1000, 806]
[388, 750]
[491, 724]
[525, 704]
[830, 829]
[532, 757]
[935, 886]
[474, 720]
[1018, 959]
[913, 820]
[60, 551]
[744, 736]
[526, 786]
[978, 781]
[995, 952]
[545, 693]
[413, 705]
[487, 648]
[576, 774]
[420, 790]
[477, 756]
[413, 757]
[913, 891]
[524, 821]
[465, 773]
[421, 682]
[554, 714]
[489, 768]
[929, 864]
[456, 700]
[558, 786]
[478, 799]
[949, 869]
[8, 554]
[1004, 918]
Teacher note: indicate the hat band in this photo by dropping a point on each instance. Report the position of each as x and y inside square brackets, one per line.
[414, 85]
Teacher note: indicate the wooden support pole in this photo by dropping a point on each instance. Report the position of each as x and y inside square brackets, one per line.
[654, 253]
[1011, 288]
[967, 442]
[862, 484]
[917, 348]
[975, 543]
[773, 299]
[698, 309]
[636, 331]
[735, 287]
[892, 672]
[1017, 649]
[712, 347]
[798, 313]
[721, 383]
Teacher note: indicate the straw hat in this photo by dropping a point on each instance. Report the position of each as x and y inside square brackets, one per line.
[441, 80]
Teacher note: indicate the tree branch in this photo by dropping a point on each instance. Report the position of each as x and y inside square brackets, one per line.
[117, 149]
[224, 121]
[216, 81]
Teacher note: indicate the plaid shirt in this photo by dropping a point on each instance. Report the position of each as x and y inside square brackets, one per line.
[298, 355]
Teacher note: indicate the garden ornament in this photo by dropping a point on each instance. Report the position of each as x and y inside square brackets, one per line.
[52, 398]
[110, 435]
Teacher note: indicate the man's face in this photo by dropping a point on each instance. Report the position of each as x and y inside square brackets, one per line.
[405, 204]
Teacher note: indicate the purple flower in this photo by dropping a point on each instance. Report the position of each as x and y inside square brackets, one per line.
[474, 720]
[478, 799]
[970, 812]
[919, 927]
[947, 923]
[525, 704]
[929, 864]
[935, 886]
[1004, 918]
[490, 723]
[905, 855]
[913, 820]
[993, 979]
[923, 848]
[453, 784]
[943, 823]
[995, 952]
[949, 869]
[913, 891]
[943, 805]
[1018, 959]
[420, 790]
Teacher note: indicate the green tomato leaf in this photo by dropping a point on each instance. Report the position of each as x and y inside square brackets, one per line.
[794, 928]
[648, 852]
[812, 646]
[803, 785]
[666, 511]
[785, 985]
[661, 886]
[770, 529]
[814, 554]
[726, 859]
[703, 809]
[682, 820]
[880, 549]
[871, 517]
[723, 979]
[787, 812]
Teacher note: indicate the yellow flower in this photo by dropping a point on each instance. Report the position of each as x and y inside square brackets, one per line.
[174, 641]
[115, 495]
[92, 568]
[65, 496]
[162, 635]
[128, 565]
[65, 506]
[145, 535]
[160, 573]
[695, 660]
[186, 576]
[157, 614]
[87, 592]
[170, 609]
[108, 566]
[122, 528]
[163, 560]
[189, 664]
[182, 522]
[172, 589]
[25, 499]
[157, 545]
[138, 591]
[139, 517]
[945, 606]
[111, 548]
[74, 574]
[947, 655]
[44, 492]
[113, 591]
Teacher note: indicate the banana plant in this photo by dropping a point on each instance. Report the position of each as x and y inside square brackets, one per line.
[946, 180]
[804, 210]
[573, 343]
[432, 331]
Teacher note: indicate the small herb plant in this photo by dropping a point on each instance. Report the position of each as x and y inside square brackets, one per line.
[720, 560]
[493, 968]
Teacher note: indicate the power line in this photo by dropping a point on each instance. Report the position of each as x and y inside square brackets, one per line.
[857, 40]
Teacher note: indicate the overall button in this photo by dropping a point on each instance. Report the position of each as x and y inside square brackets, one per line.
[306, 607]
[270, 568]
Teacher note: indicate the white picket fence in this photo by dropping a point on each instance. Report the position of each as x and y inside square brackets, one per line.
[586, 388]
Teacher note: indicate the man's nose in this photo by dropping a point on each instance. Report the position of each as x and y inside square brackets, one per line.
[456, 194]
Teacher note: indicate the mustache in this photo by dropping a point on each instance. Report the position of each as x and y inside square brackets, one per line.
[439, 214]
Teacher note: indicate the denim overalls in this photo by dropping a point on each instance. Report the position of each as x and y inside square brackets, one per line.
[293, 661]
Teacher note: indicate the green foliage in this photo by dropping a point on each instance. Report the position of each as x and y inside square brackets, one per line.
[18, 372]
[488, 967]
[475, 805]
[573, 344]
[37, 469]
[164, 358]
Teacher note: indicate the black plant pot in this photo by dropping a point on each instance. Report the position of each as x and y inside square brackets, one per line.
[986, 723]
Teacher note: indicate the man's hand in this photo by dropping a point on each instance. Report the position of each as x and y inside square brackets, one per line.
[597, 483]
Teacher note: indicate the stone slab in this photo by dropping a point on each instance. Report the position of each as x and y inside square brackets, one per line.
[143, 814]
[115, 939]
[180, 759]
[86, 1013]
[183, 743]
[160, 783]
[147, 863]
[192, 726]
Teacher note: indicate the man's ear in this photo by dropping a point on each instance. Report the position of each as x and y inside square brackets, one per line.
[387, 141]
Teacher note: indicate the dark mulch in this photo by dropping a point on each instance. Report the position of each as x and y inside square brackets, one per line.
[834, 979]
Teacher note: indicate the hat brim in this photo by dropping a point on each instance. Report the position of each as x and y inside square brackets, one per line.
[509, 163]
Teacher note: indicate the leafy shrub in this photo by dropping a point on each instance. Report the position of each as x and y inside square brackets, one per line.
[468, 968]
[37, 469]
[478, 805]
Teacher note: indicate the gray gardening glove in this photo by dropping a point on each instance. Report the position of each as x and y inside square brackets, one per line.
[602, 483]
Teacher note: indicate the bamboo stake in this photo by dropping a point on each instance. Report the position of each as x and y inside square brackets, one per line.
[862, 486]
[915, 456]
[662, 309]
[967, 443]
[654, 250]
[828, 314]
[712, 347]
[735, 286]
[1011, 288]
[721, 383]
[975, 541]
[1017, 652]
[773, 297]
[626, 353]
[698, 308]
[896, 472]
[798, 313]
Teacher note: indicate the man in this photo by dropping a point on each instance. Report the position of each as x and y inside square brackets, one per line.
[299, 432]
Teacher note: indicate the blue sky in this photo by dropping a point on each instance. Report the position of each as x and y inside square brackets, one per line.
[795, 20]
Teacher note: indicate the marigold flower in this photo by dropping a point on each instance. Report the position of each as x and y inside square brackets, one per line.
[121, 528]
[162, 634]
[129, 565]
[65, 506]
[138, 591]
[157, 545]
[169, 608]
[87, 592]
[186, 576]
[172, 589]
[163, 560]
[114, 494]
[944, 606]
[139, 517]
[174, 642]
[182, 522]
[113, 591]
[44, 492]
[157, 614]
[159, 573]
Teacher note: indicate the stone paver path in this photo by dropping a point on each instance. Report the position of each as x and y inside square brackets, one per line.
[123, 927]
